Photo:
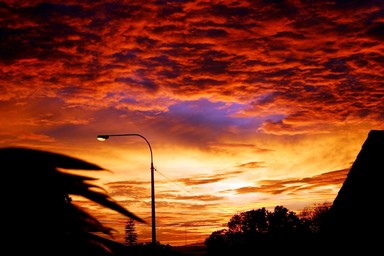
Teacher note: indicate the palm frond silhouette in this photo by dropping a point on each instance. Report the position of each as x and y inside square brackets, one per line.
[38, 215]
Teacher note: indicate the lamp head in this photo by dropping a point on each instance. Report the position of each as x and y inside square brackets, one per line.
[102, 137]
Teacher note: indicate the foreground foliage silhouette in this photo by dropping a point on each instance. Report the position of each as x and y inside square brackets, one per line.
[39, 217]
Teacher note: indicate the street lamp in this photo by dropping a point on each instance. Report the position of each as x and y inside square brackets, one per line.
[105, 137]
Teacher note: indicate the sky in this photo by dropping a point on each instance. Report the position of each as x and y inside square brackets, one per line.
[244, 104]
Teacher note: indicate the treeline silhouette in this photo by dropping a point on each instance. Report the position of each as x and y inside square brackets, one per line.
[277, 231]
[261, 230]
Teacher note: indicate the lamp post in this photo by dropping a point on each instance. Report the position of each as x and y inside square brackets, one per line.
[105, 137]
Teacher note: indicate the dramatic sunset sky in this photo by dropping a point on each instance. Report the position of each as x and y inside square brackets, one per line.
[246, 104]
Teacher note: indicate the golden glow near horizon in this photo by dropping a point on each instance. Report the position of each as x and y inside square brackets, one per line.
[246, 104]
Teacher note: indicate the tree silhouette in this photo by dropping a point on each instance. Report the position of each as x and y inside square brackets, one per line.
[130, 233]
[36, 198]
[283, 223]
[250, 222]
[316, 217]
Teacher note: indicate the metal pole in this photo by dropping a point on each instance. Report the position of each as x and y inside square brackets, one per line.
[105, 137]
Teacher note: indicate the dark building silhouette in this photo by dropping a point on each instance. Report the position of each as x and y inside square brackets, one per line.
[356, 219]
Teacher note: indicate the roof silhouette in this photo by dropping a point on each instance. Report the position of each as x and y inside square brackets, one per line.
[355, 216]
